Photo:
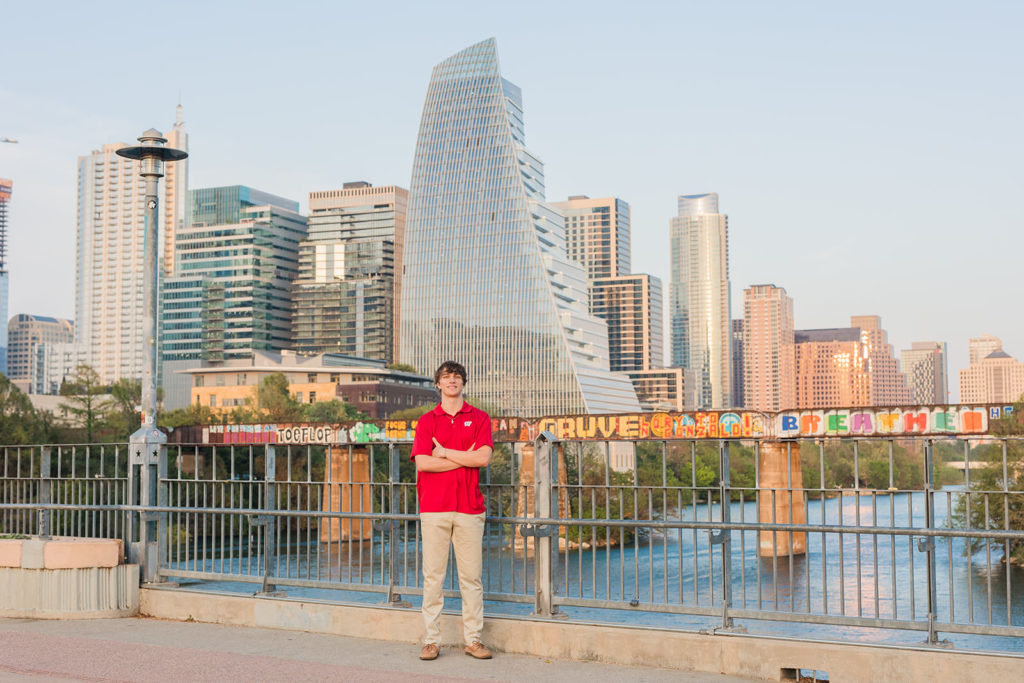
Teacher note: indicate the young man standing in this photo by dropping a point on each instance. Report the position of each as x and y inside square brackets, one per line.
[453, 441]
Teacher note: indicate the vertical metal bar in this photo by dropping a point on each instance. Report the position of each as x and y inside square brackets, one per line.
[1006, 543]
[543, 482]
[856, 537]
[726, 502]
[929, 506]
[270, 527]
[45, 492]
[393, 483]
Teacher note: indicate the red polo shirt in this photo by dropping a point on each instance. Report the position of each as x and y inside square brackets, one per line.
[456, 490]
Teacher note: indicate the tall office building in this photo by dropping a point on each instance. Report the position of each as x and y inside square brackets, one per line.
[700, 308]
[597, 234]
[26, 359]
[662, 389]
[631, 306]
[349, 286]
[6, 189]
[980, 347]
[769, 383]
[995, 378]
[738, 393]
[924, 364]
[888, 384]
[109, 259]
[487, 279]
[235, 262]
[847, 367]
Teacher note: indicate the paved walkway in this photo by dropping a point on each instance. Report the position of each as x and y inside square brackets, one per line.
[157, 650]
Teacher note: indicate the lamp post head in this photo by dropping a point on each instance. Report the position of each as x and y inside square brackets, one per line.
[152, 151]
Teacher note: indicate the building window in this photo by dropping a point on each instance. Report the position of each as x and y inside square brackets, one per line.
[213, 400]
[298, 396]
[200, 380]
[312, 397]
[311, 378]
[241, 378]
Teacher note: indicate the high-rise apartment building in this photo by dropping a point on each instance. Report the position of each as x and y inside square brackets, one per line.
[996, 378]
[980, 347]
[769, 383]
[26, 336]
[110, 260]
[348, 290]
[847, 367]
[597, 234]
[662, 389]
[487, 278]
[700, 307]
[888, 384]
[831, 368]
[738, 391]
[6, 189]
[631, 305]
[234, 265]
[924, 364]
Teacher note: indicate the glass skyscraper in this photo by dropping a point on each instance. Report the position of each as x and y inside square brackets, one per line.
[487, 279]
[700, 309]
[234, 265]
[344, 300]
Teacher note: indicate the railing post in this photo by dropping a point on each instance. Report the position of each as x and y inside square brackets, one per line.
[725, 497]
[394, 468]
[270, 523]
[45, 492]
[544, 465]
[927, 544]
[146, 449]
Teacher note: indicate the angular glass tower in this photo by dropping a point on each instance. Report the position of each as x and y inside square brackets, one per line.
[487, 280]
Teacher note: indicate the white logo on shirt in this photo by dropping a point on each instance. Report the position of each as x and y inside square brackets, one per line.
[468, 423]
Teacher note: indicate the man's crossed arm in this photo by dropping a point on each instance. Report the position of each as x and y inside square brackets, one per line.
[445, 459]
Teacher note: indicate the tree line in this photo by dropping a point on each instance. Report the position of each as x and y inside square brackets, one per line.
[93, 412]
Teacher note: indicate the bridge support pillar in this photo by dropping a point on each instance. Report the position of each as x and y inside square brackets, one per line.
[348, 490]
[780, 498]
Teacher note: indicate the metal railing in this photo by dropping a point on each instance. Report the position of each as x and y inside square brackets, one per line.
[677, 527]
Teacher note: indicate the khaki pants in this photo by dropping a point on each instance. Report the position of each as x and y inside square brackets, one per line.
[466, 532]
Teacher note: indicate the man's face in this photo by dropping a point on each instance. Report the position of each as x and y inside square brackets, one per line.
[450, 384]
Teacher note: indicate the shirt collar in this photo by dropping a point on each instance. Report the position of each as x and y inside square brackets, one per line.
[438, 410]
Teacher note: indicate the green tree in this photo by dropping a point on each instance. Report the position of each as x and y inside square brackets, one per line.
[274, 400]
[19, 422]
[331, 411]
[86, 399]
[122, 413]
[194, 414]
[995, 501]
[401, 367]
[414, 413]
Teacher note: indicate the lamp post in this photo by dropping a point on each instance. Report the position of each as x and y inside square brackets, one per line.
[147, 445]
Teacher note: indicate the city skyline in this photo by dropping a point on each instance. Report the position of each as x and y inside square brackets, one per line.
[884, 165]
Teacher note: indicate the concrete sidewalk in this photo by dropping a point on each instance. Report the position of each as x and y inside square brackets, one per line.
[142, 649]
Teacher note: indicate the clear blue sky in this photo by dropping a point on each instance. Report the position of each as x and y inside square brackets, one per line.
[868, 154]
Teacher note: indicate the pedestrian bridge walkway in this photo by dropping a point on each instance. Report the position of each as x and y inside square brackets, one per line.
[144, 649]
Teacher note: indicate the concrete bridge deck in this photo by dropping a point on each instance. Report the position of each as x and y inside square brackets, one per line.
[146, 649]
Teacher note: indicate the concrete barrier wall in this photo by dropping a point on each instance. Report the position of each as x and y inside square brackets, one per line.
[83, 593]
[756, 657]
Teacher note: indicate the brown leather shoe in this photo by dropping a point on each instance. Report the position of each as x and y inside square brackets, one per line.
[429, 651]
[478, 650]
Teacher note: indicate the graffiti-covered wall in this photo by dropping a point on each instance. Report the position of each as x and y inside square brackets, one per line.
[864, 422]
